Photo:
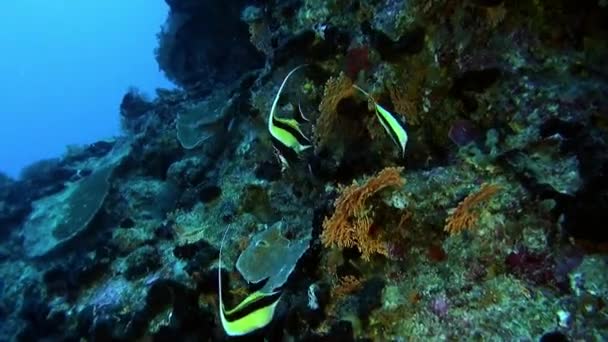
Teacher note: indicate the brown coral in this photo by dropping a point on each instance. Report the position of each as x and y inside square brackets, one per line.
[465, 216]
[496, 15]
[345, 286]
[406, 91]
[402, 102]
[352, 221]
[336, 89]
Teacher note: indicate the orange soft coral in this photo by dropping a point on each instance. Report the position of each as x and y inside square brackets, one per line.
[464, 216]
[336, 89]
[352, 220]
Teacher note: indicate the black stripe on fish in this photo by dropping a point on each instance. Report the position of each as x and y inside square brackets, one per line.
[302, 140]
[260, 303]
[392, 133]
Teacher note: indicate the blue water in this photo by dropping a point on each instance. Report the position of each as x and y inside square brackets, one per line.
[65, 68]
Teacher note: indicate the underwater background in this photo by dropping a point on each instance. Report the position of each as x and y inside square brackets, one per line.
[306, 170]
[64, 68]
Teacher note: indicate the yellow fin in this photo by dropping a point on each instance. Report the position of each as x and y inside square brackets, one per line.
[290, 122]
[255, 312]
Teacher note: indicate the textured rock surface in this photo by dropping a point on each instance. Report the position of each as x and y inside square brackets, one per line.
[501, 216]
[198, 124]
[59, 218]
[195, 40]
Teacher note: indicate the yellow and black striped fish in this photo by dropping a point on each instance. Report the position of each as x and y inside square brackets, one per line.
[287, 137]
[392, 125]
[256, 311]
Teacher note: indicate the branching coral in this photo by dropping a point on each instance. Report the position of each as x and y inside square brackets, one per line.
[406, 90]
[402, 103]
[336, 89]
[352, 220]
[465, 216]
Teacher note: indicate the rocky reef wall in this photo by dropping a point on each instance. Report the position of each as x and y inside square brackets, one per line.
[439, 172]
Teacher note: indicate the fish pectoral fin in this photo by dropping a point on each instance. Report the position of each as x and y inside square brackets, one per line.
[290, 122]
[288, 132]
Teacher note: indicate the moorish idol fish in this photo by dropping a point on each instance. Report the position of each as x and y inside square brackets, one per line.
[393, 126]
[287, 137]
[254, 312]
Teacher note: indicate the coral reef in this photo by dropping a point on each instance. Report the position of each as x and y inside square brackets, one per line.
[270, 255]
[464, 216]
[351, 223]
[336, 89]
[194, 40]
[491, 225]
[58, 219]
[197, 124]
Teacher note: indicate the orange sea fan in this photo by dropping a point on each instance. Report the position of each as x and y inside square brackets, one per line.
[350, 224]
[402, 102]
[465, 216]
[336, 89]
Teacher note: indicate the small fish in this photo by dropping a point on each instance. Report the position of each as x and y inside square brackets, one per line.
[393, 126]
[287, 137]
[254, 312]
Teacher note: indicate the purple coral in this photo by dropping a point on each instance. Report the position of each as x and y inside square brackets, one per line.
[537, 268]
[440, 306]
